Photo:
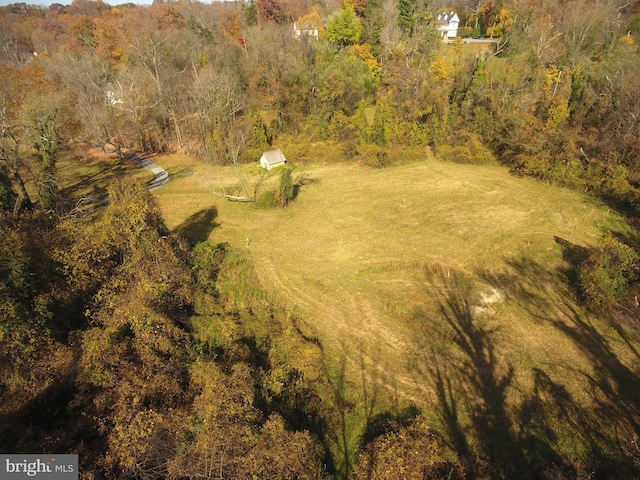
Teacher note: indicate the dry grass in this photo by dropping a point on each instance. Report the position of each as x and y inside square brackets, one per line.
[418, 272]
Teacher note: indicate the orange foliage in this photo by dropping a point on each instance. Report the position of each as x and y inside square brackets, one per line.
[230, 23]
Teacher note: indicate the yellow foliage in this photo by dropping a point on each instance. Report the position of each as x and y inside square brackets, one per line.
[311, 21]
[363, 53]
[230, 24]
[504, 24]
[440, 69]
[627, 40]
[558, 112]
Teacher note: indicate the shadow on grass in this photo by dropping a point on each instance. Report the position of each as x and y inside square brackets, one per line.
[198, 226]
[469, 379]
[535, 429]
[180, 172]
[95, 184]
[613, 420]
[359, 413]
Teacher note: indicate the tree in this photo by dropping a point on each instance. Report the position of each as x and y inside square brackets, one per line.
[12, 159]
[42, 115]
[91, 80]
[217, 100]
[407, 18]
[286, 192]
[149, 38]
[345, 28]
[607, 272]
[372, 23]
[250, 10]
[475, 7]
[13, 153]
[411, 451]
[272, 11]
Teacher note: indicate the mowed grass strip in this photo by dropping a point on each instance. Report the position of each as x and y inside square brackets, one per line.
[417, 272]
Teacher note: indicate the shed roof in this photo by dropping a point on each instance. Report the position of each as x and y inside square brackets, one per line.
[274, 157]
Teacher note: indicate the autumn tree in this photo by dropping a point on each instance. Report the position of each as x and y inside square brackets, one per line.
[151, 43]
[130, 367]
[32, 117]
[87, 7]
[93, 84]
[217, 99]
[12, 150]
[16, 42]
[23, 323]
[345, 28]
[372, 21]
[250, 11]
[474, 7]
[272, 11]
[410, 451]
[42, 116]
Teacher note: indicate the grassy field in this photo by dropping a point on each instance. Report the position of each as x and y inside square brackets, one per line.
[441, 285]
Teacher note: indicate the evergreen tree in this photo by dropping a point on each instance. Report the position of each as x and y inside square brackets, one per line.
[407, 18]
[250, 10]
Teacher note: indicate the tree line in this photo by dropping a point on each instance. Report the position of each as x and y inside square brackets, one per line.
[555, 97]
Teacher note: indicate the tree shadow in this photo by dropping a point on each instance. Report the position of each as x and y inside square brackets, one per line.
[50, 422]
[504, 429]
[343, 405]
[359, 412]
[180, 172]
[613, 386]
[381, 416]
[470, 377]
[95, 183]
[198, 227]
[303, 180]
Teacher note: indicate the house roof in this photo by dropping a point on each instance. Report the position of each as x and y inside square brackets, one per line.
[446, 18]
[274, 157]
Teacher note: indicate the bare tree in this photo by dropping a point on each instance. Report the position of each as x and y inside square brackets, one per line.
[150, 42]
[234, 143]
[90, 80]
[474, 7]
[12, 156]
[216, 96]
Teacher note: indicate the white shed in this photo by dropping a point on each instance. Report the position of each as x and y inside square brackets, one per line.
[272, 159]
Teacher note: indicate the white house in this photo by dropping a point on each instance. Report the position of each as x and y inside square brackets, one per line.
[272, 159]
[447, 24]
[305, 31]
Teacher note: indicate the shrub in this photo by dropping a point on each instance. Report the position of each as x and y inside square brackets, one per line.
[413, 451]
[466, 148]
[381, 159]
[465, 32]
[607, 273]
[267, 199]
[350, 149]
[286, 192]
